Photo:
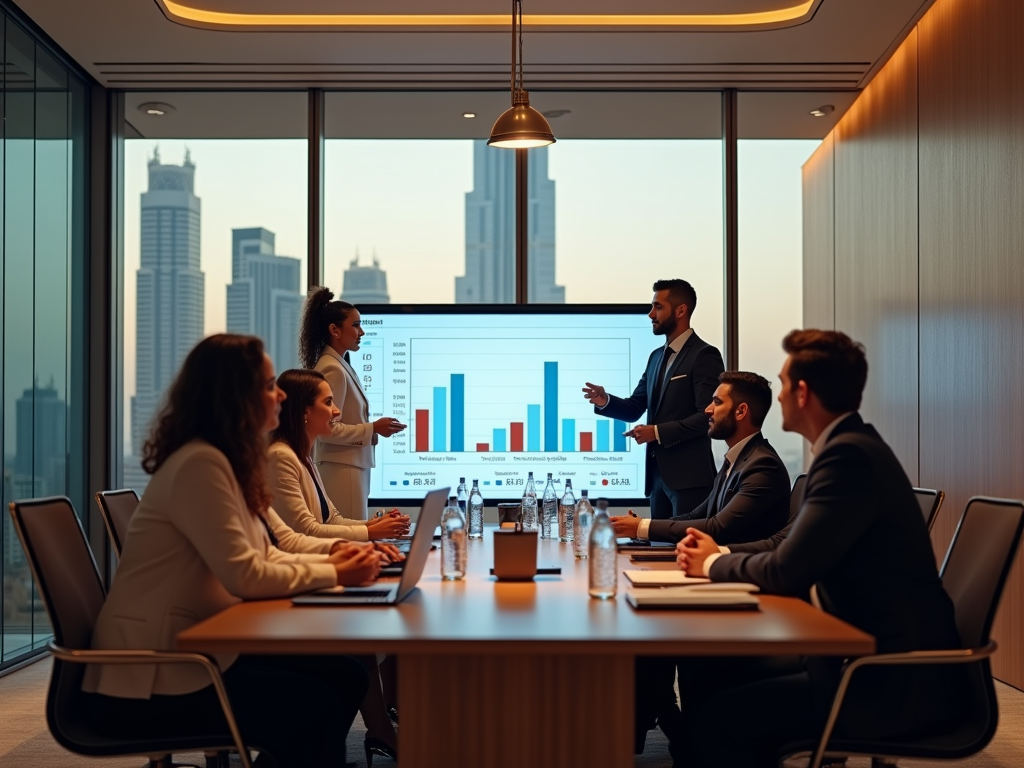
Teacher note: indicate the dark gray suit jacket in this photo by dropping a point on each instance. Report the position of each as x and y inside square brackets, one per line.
[753, 505]
[683, 457]
[861, 538]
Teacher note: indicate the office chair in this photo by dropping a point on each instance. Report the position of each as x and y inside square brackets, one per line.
[796, 496]
[116, 509]
[974, 573]
[930, 502]
[69, 583]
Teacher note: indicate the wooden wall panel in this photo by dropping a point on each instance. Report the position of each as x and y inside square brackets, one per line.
[876, 246]
[972, 270]
[819, 237]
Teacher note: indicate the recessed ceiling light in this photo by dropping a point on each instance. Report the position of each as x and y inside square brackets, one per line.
[469, 115]
[551, 114]
[825, 109]
[155, 108]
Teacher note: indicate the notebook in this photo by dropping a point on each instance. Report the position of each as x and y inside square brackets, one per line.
[718, 597]
[662, 578]
[419, 549]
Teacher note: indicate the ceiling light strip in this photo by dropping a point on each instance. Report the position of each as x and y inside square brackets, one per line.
[185, 13]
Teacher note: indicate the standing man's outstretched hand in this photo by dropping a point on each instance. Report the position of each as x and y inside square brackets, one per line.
[595, 394]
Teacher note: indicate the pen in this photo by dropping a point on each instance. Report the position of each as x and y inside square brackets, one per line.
[632, 513]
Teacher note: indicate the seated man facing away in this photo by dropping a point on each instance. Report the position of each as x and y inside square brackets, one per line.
[749, 500]
[860, 538]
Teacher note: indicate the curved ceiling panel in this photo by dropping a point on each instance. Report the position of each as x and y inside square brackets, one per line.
[308, 15]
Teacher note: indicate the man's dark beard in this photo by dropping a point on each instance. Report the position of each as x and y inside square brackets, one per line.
[723, 430]
[666, 328]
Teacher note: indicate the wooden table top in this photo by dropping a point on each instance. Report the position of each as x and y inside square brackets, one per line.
[552, 614]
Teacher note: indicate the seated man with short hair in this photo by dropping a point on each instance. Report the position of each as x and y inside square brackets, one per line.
[859, 537]
[749, 500]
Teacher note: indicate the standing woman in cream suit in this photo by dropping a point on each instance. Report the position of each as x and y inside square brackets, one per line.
[330, 329]
[199, 542]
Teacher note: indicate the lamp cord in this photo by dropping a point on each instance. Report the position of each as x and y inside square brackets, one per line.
[517, 48]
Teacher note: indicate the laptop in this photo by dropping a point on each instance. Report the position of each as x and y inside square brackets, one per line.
[416, 561]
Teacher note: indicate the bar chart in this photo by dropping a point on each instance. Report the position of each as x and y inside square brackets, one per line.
[509, 396]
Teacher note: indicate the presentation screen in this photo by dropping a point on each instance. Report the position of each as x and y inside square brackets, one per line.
[492, 393]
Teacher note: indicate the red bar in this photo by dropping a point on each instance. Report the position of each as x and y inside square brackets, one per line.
[483, 447]
[422, 430]
[516, 433]
[586, 441]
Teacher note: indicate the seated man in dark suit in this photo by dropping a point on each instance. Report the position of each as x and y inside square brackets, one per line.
[859, 537]
[749, 500]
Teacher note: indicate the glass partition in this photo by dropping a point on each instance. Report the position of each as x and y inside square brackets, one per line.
[43, 329]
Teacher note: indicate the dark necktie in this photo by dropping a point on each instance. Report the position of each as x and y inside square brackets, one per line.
[662, 371]
[720, 482]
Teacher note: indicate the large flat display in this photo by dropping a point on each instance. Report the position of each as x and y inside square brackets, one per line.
[492, 393]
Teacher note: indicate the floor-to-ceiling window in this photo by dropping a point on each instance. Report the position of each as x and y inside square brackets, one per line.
[43, 326]
[771, 267]
[214, 238]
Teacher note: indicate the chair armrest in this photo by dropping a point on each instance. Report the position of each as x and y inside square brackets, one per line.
[161, 657]
[954, 656]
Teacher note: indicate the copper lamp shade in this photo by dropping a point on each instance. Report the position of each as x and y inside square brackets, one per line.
[521, 126]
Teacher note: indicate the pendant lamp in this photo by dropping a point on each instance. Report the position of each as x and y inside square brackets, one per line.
[521, 126]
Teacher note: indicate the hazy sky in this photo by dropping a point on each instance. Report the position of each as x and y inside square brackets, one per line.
[627, 213]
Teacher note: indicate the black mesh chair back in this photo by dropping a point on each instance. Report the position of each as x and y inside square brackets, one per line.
[117, 508]
[796, 496]
[930, 502]
[978, 561]
[67, 577]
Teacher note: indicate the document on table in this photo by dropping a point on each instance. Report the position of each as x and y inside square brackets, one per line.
[673, 578]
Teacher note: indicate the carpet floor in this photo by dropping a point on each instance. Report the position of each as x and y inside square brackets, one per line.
[26, 743]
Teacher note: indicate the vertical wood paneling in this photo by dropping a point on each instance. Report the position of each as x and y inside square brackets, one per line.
[972, 270]
[819, 239]
[876, 246]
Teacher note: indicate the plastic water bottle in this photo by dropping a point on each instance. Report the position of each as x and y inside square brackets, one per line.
[603, 577]
[581, 523]
[462, 493]
[530, 505]
[549, 510]
[566, 512]
[476, 512]
[453, 542]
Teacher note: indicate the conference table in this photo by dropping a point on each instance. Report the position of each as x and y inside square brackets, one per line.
[502, 674]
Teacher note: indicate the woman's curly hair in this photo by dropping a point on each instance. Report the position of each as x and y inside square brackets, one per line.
[317, 315]
[218, 397]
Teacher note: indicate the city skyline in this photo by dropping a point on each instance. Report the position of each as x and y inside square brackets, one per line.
[365, 284]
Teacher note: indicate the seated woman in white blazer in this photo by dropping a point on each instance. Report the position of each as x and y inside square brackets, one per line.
[300, 497]
[199, 542]
[331, 329]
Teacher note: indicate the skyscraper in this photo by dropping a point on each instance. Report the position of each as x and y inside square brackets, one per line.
[490, 230]
[170, 292]
[41, 416]
[264, 297]
[365, 285]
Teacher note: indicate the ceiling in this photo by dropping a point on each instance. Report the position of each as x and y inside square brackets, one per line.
[460, 49]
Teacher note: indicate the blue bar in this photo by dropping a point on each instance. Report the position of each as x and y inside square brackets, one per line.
[533, 427]
[602, 435]
[550, 406]
[618, 441]
[568, 434]
[440, 417]
[499, 440]
[458, 412]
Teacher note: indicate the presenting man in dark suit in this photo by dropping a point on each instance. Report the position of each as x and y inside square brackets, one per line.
[750, 496]
[674, 391]
[859, 537]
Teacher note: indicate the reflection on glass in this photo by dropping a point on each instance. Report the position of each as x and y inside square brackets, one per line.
[771, 268]
[215, 241]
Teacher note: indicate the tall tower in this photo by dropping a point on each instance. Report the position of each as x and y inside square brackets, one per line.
[42, 443]
[263, 298]
[170, 290]
[365, 285]
[490, 230]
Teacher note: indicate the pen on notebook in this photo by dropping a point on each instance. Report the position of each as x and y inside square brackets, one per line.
[632, 513]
